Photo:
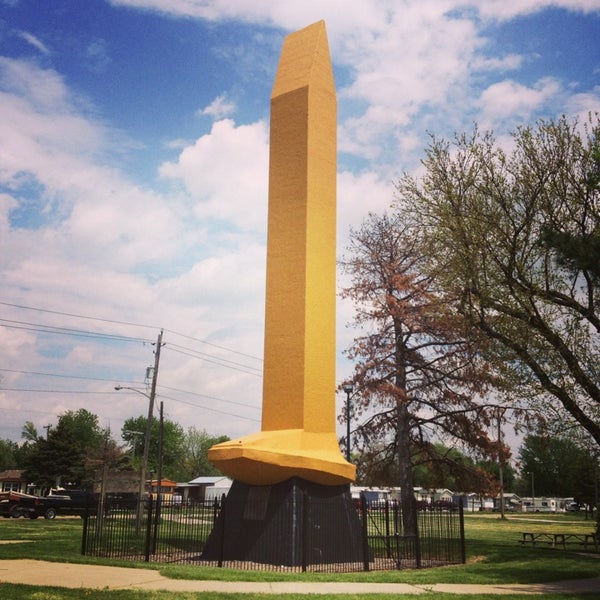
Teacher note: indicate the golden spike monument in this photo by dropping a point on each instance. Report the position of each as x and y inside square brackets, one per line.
[298, 438]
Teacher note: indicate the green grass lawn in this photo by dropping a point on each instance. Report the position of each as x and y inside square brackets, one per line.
[493, 556]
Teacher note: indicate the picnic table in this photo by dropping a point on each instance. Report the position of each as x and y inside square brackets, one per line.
[559, 539]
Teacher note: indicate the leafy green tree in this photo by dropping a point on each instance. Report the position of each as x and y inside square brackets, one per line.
[8, 455]
[481, 216]
[61, 459]
[194, 459]
[134, 432]
[85, 428]
[558, 467]
[29, 433]
[57, 461]
[576, 251]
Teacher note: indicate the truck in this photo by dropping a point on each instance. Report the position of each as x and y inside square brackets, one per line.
[68, 502]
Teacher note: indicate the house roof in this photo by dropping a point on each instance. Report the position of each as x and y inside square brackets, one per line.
[164, 482]
[11, 475]
[209, 480]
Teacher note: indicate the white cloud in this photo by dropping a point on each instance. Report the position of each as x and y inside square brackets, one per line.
[43, 89]
[508, 9]
[517, 101]
[220, 107]
[290, 13]
[226, 173]
[35, 42]
[97, 55]
[102, 245]
[509, 62]
[410, 63]
[584, 103]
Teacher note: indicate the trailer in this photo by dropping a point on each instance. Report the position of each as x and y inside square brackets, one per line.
[542, 504]
[17, 504]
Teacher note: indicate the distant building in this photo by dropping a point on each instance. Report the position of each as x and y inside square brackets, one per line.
[167, 489]
[542, 504]
[441, 496]
[13, 481]
[512, 503]
[116, 482]
[205, 488]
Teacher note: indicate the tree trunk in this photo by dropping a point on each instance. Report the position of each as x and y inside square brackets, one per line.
[403, 425]
[407, 498]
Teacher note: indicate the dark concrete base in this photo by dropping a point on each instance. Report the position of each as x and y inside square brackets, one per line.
[292, 523]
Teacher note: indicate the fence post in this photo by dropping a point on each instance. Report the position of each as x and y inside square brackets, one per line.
[304, 533]
[365, 531]
[86, 518]
[388, 546]
[222, 519]
[417, 534]
[148, 530]
[463, 550]
[157, 514]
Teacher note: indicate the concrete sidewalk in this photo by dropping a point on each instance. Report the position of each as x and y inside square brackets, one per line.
[35, 572]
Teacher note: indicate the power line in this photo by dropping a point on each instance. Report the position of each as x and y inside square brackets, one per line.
[171, 345]
[215, 345]
[51, 329]
[79, 377]
[28, 410]
[208, 397]
[216, 360]
[62, 376]
[203, 407]
[66, 314]
[221, 412]
[38, 391]
[41, 328]
[129, 323]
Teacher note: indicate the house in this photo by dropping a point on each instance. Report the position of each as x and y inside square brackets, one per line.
[471, 501]
[112, 481]
[12, 481]
[167, 490]
[440, 497]
[374, 496]
[512, 503]
[205, 488]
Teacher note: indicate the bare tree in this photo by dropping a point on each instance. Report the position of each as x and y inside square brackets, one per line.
[417, 366]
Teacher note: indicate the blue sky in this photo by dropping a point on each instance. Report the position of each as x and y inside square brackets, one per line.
[134, 166]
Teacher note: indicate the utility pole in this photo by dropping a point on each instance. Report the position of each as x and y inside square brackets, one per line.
[158, 480]
[348, 388]
[500, 462]
[148, 429]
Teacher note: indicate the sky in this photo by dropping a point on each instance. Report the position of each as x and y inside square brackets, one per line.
[134, 170]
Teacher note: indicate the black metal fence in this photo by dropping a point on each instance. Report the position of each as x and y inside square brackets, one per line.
[178, 534]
